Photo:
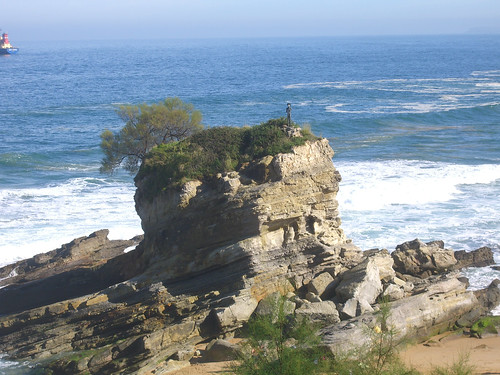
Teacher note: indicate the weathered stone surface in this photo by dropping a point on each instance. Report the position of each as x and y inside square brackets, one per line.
[311, 297]
[422, 260]
[239, 311]
[481, 257]
[184, 354]
[359, 287]
[325, 312]
[171, 366]
[221, 350]
[320, 284]
[384, 262]
[393, 292]
[437, 309]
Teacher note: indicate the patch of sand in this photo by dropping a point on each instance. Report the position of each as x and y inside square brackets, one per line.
[205, 368]
[444, 350]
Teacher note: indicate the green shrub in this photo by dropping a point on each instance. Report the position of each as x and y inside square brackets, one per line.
[460, 367]
[215, 150]
[281, 344]
[485, 324]
[269, 139]
[380, 356]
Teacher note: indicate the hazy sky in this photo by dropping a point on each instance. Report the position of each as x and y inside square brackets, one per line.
[142, 19]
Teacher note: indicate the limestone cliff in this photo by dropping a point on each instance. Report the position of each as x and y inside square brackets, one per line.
[211, 251]
[263, 224]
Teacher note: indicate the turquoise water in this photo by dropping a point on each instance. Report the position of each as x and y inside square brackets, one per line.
[414, 121]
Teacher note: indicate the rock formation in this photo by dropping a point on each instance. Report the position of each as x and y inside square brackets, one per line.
[481, 257]
[211, 252]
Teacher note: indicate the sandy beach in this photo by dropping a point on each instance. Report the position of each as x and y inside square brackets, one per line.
[443, 350]
[483, 354]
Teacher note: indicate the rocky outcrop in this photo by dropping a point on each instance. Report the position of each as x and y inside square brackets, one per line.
[481, 257]
[85, 265]
[81, 252]
[212, 251]
[440, 301]
[243, 218]
[420, 259]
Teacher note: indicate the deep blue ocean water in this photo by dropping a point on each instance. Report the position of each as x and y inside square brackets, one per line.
[414, 122]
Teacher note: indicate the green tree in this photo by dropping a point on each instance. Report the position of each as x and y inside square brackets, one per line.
[147, 126]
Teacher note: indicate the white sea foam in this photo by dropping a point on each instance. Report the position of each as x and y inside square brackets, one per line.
[422, 85]
[130, 248]
[408, 108]
[14, 368]
[38, 220]
[486, 73]
[437, 95]
[375, 185]
[383, 204]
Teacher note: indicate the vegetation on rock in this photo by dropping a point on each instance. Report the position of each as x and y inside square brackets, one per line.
[147, 126]
[279, 343]
[378, 357]
[216, 150]
[485, 325]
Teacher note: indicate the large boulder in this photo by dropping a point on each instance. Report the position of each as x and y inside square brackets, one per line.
[324, 312]
[321, 285]
[359, 288]
[421, 259]
[384, 262]
[481, 257]
[437, 309]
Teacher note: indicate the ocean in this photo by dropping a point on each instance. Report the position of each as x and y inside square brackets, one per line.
[414, 122]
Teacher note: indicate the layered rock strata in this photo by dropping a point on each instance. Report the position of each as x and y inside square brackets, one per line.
[212, 251]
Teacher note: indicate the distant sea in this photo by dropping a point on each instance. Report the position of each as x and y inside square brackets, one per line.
[414, 122]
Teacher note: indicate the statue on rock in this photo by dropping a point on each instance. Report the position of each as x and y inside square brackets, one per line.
[289, 114]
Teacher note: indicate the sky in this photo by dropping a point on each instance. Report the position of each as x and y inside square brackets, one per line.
[159, 19]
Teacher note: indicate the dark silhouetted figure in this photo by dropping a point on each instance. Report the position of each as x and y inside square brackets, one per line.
[289, 114]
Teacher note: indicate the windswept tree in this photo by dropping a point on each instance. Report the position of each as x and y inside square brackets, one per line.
[147, 126]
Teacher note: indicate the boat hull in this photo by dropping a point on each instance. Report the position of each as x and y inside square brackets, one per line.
[8, 51]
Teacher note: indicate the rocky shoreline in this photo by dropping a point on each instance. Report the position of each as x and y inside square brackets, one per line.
[211, 252]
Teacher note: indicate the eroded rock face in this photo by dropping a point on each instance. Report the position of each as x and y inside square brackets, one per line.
[206, 225]
[442, 301]
[211, 252]
[481, 257]
[422, 259]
